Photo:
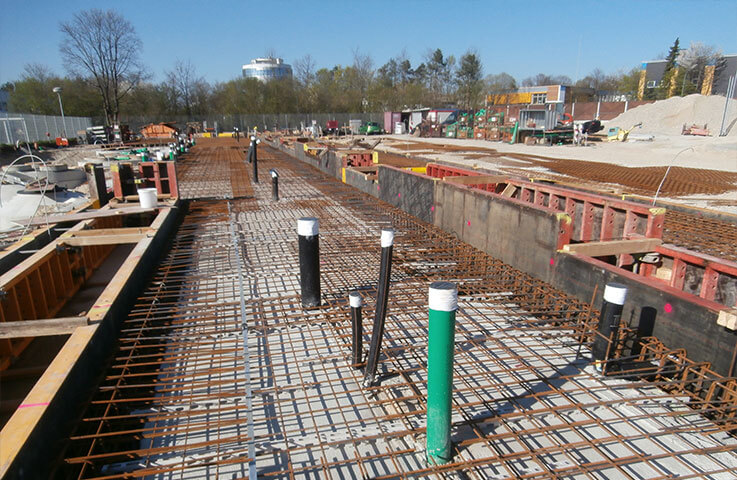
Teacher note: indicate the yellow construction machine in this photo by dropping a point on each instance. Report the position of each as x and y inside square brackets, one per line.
[616, 134]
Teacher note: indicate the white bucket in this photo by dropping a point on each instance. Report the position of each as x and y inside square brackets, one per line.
[147, 197]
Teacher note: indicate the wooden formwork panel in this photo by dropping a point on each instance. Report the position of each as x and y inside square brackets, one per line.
[40, 286]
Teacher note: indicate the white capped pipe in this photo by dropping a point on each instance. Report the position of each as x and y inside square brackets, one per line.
[355, 299]
[307, 227]
[443, 297]
[387, 237]
[615, 293]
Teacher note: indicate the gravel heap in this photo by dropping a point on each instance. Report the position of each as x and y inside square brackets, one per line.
[668, 116]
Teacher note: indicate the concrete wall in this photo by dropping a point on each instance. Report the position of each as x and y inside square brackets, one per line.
[360, 181]
[518, 234]
[681, 321]
[326, 161]
[411, 192]
[526, 238]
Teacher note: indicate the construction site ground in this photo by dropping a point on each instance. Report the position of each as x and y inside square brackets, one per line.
[220, 373]
[703, 169]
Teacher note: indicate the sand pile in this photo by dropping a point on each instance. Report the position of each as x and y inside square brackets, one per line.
[668, 116]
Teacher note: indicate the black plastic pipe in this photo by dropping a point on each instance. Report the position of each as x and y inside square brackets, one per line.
[274, 185]
[611, 312]
[254, 158]
[309, 261]
[356, 328]
[387, 243]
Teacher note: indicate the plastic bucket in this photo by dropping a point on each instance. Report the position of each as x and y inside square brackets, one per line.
[147, 197]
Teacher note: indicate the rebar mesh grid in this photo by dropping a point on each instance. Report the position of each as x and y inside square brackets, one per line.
[706, 235]
[526, 402]
[214, 172]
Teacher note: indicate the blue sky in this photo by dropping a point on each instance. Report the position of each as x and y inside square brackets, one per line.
[523, 40]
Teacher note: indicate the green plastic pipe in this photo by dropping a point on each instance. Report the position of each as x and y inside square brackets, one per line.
[443, 303]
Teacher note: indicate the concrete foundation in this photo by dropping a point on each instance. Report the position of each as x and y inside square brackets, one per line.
[526, 237]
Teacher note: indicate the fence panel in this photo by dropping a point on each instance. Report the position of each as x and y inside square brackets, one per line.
[39, 127]
[262, 121]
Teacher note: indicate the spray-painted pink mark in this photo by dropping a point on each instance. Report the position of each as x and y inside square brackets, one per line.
[552, 261]
[28, 405]
[469, 223]
[399, 195]
[668, 308]
[432, 209]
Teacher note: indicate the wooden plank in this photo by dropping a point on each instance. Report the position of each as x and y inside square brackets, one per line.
[613, 247]
[97, 232]
[90, 240]
[509, 190]
[76, 217]
[41, 328]
[476, 179]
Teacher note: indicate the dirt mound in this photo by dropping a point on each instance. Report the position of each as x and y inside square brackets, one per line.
[668, 116]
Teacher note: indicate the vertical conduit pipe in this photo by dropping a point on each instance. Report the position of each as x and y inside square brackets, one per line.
[611, 311]
[443, 303]
[274, 185]
[254, 158]
[356, 328]
[387, 242]
[309, 261]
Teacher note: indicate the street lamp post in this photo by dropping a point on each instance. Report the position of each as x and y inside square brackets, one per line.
[57, 91]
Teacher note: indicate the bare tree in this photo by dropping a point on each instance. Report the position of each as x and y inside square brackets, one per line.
[500, 83]
[692, 61]
[185, 83]
[304, 68]
[103, 46]
[543, 79]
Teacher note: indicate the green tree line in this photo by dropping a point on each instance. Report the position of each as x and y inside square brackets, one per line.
[438, 81]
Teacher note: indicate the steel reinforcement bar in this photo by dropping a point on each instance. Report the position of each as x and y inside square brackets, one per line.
[221, 373]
